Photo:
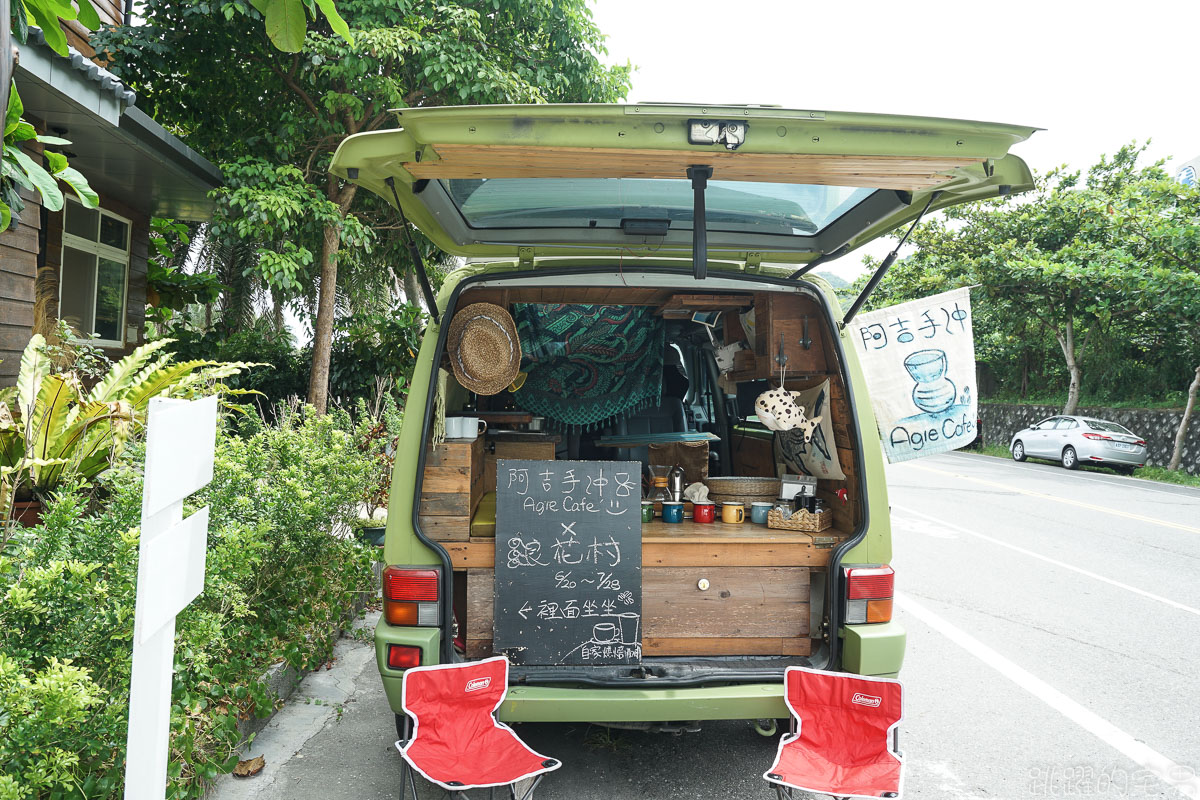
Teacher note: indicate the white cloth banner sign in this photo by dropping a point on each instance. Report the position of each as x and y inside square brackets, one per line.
[919, 360]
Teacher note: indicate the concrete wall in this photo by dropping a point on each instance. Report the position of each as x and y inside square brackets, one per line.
[1156, 426]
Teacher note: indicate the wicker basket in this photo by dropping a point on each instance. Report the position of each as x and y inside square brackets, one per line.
[739, 488]
[801, 520]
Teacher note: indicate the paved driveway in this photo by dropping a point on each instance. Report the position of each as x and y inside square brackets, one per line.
[1054, 637]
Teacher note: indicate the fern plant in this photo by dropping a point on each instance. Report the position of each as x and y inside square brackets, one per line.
[52, 427]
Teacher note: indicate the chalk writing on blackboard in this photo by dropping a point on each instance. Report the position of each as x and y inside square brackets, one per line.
[568, 572]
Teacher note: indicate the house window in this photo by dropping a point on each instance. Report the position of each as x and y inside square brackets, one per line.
[94, 279]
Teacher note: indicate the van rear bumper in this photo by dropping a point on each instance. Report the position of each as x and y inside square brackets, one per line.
[566, 704]
[866, 650]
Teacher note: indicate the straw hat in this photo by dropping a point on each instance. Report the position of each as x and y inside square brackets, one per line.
[484, 350]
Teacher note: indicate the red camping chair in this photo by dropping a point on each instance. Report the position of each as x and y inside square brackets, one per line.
[840, 747]
[452, 736]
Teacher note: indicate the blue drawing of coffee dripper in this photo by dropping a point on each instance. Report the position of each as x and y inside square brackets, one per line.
[934, 392]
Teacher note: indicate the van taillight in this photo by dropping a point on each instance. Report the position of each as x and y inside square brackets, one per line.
[410, 596]
[403, 656]
[869, 594]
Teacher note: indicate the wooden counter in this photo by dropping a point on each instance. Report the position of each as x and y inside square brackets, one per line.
[691, 544]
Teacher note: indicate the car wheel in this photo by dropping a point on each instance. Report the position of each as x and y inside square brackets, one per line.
[1018, 451]
[1070, 460]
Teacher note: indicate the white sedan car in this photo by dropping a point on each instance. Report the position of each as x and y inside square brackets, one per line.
[1075, 440]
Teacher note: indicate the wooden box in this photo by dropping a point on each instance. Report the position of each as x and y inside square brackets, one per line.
[533, 450]
[780, 317]
[452, 488]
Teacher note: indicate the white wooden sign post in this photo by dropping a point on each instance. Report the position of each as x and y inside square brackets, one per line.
[180, 438]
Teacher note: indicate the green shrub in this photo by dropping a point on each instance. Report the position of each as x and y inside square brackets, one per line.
[282, 571]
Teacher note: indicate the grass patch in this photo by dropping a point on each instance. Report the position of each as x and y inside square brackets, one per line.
[1164, 475]
[1159, 474]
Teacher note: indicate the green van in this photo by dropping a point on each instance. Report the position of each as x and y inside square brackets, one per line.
[705, 223]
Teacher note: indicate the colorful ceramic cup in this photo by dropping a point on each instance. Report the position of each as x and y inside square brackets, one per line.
[733, 513]
[672, 512]
[647, 511]
[704, 512]
[758, 513]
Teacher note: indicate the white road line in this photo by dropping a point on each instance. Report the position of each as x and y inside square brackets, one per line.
[1189, 492]
[1183, 779]
[1048, 560]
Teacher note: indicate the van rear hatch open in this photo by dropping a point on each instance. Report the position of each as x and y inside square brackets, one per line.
[629, 206]
[786, 186]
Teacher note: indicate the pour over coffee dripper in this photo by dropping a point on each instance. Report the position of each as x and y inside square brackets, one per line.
[934, 392]
[659, 477]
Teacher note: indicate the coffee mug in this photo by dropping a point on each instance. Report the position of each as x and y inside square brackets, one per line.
[704, 512]
[733, 513]
[647, 511]
[758, 513]
[672, 512]
[467, 428]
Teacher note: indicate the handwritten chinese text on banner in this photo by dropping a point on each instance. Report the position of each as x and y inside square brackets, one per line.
[919, 359]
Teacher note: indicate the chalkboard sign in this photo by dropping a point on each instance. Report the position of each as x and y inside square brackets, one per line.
[568, 562]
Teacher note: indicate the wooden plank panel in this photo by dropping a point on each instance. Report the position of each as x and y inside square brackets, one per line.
[17, 312]
[449, 454]
[727, 646]
[480, 598]
[446, 528]
[790, 549]
[798, 646]
[733, 554]
[740, 602]
[23, 238]
[15, 287]
[773, 602]
[508, 161]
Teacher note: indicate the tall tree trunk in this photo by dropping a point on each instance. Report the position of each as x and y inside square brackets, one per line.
[277, 312]
[1181, 433]
[318, 382]
[412, 289]
[1066, 340]
[1073, 355]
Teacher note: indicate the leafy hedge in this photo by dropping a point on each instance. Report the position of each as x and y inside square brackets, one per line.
[277, 580]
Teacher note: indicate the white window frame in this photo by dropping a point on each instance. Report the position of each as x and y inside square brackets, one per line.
[105, 251]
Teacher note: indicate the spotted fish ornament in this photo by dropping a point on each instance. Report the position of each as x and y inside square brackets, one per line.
[778, 410]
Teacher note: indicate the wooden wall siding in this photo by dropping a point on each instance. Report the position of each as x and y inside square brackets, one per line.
[18, 267]
[135, 293]
[111, 12]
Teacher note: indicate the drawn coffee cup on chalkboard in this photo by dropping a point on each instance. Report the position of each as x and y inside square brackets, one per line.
[629, 627]
[604, 633]
[934, 392]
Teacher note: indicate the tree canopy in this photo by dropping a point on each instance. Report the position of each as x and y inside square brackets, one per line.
[273, 119]
[1097, 271]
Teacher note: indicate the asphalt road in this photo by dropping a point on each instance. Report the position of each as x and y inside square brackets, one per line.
[1054, 651]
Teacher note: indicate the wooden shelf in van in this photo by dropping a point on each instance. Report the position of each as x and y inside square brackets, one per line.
[690, 544]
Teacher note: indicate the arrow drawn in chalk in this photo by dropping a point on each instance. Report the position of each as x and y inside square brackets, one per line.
[525, 608]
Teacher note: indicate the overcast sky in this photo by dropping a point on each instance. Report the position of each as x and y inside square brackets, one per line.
[1094, 75]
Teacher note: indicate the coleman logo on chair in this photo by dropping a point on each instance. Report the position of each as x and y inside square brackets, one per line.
[482, 683]
[865, 700]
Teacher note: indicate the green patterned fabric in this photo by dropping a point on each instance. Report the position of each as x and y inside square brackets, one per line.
[589, 365]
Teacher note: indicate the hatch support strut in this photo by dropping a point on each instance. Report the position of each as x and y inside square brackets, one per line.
[887, 263]
[415, 253]
[699, 176]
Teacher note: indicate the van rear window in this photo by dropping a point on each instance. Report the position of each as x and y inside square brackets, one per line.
[739, 206]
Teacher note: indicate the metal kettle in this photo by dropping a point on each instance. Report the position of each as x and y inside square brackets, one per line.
[675, 483]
